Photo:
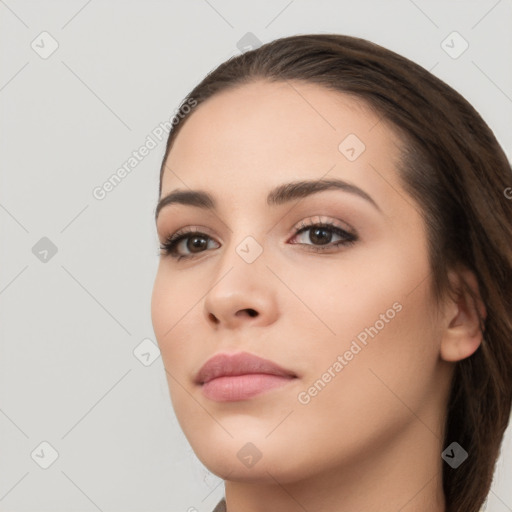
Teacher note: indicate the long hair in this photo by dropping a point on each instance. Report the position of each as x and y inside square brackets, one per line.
[453, 166]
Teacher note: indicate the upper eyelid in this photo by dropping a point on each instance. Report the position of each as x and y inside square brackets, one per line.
[323, 219]
[193, 228]
[308, 222]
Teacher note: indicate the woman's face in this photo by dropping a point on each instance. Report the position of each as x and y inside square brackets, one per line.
[348, 312]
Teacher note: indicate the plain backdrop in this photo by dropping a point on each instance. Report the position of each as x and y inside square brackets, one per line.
[82, 85]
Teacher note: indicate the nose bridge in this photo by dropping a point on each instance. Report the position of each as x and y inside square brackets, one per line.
[242, 261]
[246, 241]
[241, 278]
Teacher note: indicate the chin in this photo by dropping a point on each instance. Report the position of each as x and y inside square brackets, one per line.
[252, 457]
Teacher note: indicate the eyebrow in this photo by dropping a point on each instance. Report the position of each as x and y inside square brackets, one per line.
[277, 196]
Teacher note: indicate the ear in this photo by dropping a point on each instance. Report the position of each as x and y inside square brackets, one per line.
[465, 314]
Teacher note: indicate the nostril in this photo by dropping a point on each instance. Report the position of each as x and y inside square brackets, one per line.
[247, 311]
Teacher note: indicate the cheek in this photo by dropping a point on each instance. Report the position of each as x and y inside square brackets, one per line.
[390, 347]
[169, 305]
[364, 291]
[166, 312]
[180, 332]
[376, 313]
[171, 301]
[161, 306]
[381, 383]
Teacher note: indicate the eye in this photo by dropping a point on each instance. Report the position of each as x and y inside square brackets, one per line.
[321, 235]
[189, 242]
[185, 240]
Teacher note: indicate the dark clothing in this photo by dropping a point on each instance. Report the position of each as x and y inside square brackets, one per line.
[221, 506]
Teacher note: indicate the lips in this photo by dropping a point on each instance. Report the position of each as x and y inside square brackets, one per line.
[242, 363]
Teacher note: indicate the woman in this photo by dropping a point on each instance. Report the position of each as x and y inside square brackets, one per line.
[333, 298]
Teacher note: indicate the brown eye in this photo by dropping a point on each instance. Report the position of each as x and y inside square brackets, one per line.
[196, 243]
[185, 245]
[321, 235]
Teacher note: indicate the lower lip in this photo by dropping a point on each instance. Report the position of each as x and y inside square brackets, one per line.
[241, 387]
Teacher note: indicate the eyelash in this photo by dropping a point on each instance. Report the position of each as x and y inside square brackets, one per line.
[169, 246]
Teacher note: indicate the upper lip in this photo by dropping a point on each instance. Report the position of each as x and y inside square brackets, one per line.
[241, 363]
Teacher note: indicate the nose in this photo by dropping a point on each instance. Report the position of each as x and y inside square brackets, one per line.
[241, 293]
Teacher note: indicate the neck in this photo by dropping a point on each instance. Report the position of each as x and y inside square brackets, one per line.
[404, 473]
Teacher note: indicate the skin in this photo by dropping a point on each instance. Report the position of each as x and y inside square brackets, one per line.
[371, 439]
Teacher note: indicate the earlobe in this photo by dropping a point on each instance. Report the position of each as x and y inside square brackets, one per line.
[465, 312]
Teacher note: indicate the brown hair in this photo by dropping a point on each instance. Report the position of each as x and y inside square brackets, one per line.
[454, 168]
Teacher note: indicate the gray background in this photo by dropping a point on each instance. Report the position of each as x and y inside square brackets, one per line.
[70, 321]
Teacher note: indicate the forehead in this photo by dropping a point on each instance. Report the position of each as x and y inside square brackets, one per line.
[260, 134]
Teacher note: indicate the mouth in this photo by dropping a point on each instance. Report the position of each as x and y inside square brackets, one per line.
[240, 376]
